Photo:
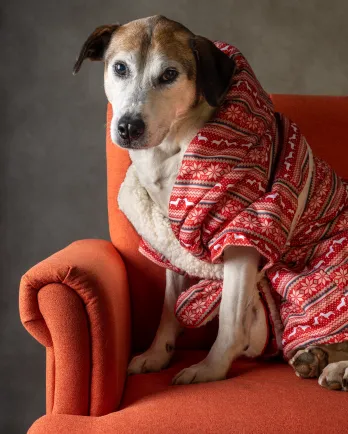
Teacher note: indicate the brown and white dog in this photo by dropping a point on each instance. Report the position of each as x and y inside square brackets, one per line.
[164, 83]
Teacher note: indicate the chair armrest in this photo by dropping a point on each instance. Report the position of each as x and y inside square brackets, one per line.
[76, 304]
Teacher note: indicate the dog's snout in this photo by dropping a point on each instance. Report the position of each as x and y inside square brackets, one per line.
[130, 128]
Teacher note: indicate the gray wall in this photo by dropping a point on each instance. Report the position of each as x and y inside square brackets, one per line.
[53, 124]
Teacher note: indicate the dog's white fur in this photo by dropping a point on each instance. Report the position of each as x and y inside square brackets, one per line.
[161, 109]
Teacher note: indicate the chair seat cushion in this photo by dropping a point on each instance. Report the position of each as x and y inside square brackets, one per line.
[258, 397]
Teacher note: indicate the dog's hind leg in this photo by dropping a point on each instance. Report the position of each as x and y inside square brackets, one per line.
[159, 354]
[335, 376]
[329, 363]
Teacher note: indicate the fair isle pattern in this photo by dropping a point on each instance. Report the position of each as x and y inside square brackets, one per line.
[220, 194]
[239, 185]
[313, 275]
[146, 250]
[200, 303]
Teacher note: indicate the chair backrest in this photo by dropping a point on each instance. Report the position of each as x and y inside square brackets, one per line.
[322, 119]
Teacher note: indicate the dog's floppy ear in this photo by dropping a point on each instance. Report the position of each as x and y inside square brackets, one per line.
[95, 45]
[214, 70]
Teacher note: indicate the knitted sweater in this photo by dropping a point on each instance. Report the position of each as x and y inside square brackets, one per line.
[249, 178]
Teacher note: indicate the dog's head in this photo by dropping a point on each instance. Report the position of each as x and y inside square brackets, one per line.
[156, 71]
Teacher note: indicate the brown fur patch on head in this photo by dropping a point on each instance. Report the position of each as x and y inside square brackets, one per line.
[158, 35]
[129, 37]
[173, 39]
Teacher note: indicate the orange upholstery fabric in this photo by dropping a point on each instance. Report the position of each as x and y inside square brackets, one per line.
[76, 303]
[70, 343]
[260, 398]
[323, 120]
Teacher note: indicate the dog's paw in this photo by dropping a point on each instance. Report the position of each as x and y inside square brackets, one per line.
[309, 363]
[150, 361]
[335, 376]
[202, 372]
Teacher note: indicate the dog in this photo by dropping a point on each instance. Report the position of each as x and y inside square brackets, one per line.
[164, 83]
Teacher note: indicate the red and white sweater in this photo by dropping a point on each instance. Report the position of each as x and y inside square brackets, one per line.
[248, 178]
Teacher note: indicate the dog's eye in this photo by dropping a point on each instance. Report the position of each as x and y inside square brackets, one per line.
[120, 68]
[168, 76]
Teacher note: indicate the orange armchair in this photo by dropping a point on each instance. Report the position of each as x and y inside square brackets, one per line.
[95, 302]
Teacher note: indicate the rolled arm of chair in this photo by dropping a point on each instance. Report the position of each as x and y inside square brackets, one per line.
[76, 304]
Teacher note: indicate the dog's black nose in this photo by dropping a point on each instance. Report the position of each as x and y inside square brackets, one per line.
[131, 128]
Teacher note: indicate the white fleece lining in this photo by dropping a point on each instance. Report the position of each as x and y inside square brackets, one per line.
[154, 227]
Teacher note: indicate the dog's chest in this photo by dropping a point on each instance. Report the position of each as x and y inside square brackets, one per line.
[157, 169]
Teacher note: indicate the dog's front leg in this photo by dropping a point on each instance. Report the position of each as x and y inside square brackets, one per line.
[235, 317]
[159, 354]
